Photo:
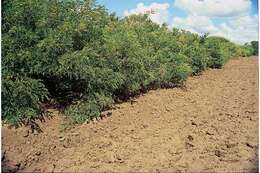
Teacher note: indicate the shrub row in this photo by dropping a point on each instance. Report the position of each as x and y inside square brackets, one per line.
[84, 58]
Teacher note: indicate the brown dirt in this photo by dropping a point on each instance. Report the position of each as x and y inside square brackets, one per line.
[211, 127]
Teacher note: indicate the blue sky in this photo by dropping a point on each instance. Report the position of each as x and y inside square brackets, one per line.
[234, 19]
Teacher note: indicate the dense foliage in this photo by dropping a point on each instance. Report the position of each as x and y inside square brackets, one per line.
[86, 59]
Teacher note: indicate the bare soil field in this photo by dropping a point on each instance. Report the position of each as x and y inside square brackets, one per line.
[211, 126]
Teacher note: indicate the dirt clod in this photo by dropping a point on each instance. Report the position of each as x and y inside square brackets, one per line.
[219, 153]
[190, 138]
[193, 123]
[38, 153]
[249, 145]
[25, 133]
[209, 133]
[109, 113]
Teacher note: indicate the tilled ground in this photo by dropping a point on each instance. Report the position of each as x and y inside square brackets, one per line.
[212, 126]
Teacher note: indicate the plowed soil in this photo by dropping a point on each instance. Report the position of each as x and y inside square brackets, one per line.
[211, 126]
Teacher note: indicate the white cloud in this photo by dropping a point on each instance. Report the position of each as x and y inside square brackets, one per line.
[160, 15]
[215, 8]
[198, 24]
[239, 26]
[239, 29]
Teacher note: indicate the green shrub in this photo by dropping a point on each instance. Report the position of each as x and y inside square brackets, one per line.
[176, 75]
[84, 58]
[21, 98]
[88, 109]
[198, 58]
[218, 52]
[254, 46]
[249, 49]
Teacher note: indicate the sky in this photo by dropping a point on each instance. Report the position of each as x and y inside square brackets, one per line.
[236, 20]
